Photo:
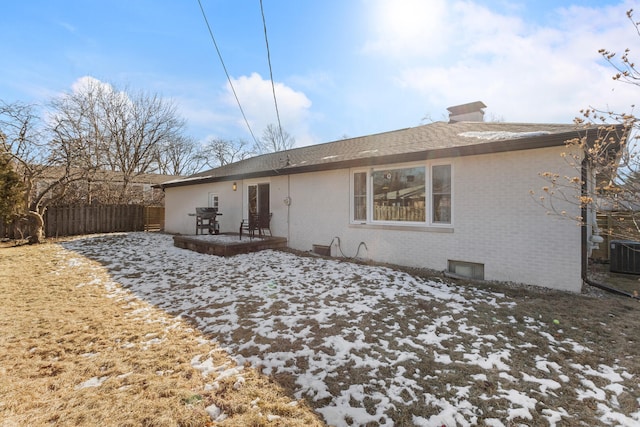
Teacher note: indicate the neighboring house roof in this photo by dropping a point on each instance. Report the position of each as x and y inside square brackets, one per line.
[54, 172]
[431, 141]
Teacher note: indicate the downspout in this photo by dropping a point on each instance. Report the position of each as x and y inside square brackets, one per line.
[584, 212]
[289, 210]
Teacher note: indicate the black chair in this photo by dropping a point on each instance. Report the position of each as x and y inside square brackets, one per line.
[250, 225]
[256, 222]
[264, 224]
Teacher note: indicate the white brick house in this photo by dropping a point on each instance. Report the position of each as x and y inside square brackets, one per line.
[447, 196]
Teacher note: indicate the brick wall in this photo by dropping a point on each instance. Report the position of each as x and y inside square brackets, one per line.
[495, 220]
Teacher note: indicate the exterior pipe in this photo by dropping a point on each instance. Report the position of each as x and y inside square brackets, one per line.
[609, 288]
[584, 212]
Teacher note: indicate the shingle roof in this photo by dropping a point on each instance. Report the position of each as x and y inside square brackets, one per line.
[55, 172]
[435, 140]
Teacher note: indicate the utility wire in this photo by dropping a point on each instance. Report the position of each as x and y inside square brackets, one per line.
[273, 87]
[227, 73]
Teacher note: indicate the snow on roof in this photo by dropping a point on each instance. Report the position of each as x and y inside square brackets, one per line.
[501, 135]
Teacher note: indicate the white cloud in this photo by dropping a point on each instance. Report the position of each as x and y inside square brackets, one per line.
[454, 53]
[87, 84]
[408, 27]
[67, 26]
[256, 97]
[84, 83]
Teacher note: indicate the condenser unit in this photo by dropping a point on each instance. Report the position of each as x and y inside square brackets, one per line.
[624, 257]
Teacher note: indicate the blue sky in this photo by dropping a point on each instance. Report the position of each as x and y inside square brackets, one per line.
[341, 67]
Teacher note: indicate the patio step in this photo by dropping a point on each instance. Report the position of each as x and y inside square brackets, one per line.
[226, 248]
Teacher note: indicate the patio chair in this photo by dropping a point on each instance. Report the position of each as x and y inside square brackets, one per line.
[250, 225]
[264, 224]
[256, 222]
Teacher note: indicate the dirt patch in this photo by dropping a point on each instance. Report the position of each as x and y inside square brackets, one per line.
[78, 353]
[627, 283]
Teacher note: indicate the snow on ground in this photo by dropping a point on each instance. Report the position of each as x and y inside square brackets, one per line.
[369, 344]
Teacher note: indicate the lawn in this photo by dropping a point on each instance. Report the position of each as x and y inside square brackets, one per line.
[373, 345]
[78, 350]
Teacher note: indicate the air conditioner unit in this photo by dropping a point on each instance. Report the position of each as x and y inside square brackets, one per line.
[624, 257]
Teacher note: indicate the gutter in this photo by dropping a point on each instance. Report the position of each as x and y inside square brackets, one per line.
[491, 147]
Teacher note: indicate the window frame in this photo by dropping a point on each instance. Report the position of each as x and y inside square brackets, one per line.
[261, 204]
[214, 200]
[370, 206]
[433, 223]
[352, 195]
[429, 196]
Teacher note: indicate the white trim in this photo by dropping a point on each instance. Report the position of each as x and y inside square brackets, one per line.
[245, 196]
[213, 200]
[430, 202]
[372, 220]
[396, 227]
[352, 205]
[428, 224]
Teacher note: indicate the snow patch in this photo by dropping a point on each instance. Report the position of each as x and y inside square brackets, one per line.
[501, 135]
[92, 382]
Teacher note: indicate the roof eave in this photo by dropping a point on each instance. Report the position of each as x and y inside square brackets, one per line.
[498, 146]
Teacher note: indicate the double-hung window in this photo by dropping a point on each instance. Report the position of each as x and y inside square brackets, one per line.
[441, 194]
[415, 195]
[360, 196]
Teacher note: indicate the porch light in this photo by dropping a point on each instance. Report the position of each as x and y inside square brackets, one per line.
[234, 186]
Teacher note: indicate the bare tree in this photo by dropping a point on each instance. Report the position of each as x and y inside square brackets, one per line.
[274, 139]
[30, 147]
[116, 130]
[219, 152]
[605, 160]
[179, 156]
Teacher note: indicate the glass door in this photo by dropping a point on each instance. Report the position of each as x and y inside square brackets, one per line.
[258, 199]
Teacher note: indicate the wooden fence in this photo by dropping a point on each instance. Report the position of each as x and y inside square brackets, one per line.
[76, 220]
[615, 226]
[398, 213]
[153, 218]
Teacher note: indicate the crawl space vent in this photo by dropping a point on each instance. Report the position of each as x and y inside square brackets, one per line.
[470, 270]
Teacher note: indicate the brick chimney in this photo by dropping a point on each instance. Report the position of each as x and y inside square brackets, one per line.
[471, 112]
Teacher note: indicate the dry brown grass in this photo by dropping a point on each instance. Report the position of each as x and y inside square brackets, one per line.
[58, 330]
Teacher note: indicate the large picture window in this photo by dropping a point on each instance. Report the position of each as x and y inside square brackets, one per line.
[399, 195]
[405, 196]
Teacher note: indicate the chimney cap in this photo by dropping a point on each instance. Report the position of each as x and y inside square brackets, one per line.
[466, 108]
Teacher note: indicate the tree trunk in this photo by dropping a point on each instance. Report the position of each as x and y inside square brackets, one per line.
[36, 227]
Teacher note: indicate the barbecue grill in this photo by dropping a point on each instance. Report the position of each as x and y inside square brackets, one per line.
[206, 220]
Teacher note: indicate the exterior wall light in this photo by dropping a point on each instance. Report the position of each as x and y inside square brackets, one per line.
[234, 186]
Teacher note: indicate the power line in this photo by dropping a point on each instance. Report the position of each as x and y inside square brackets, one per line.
[227, 73]
[273, 87]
